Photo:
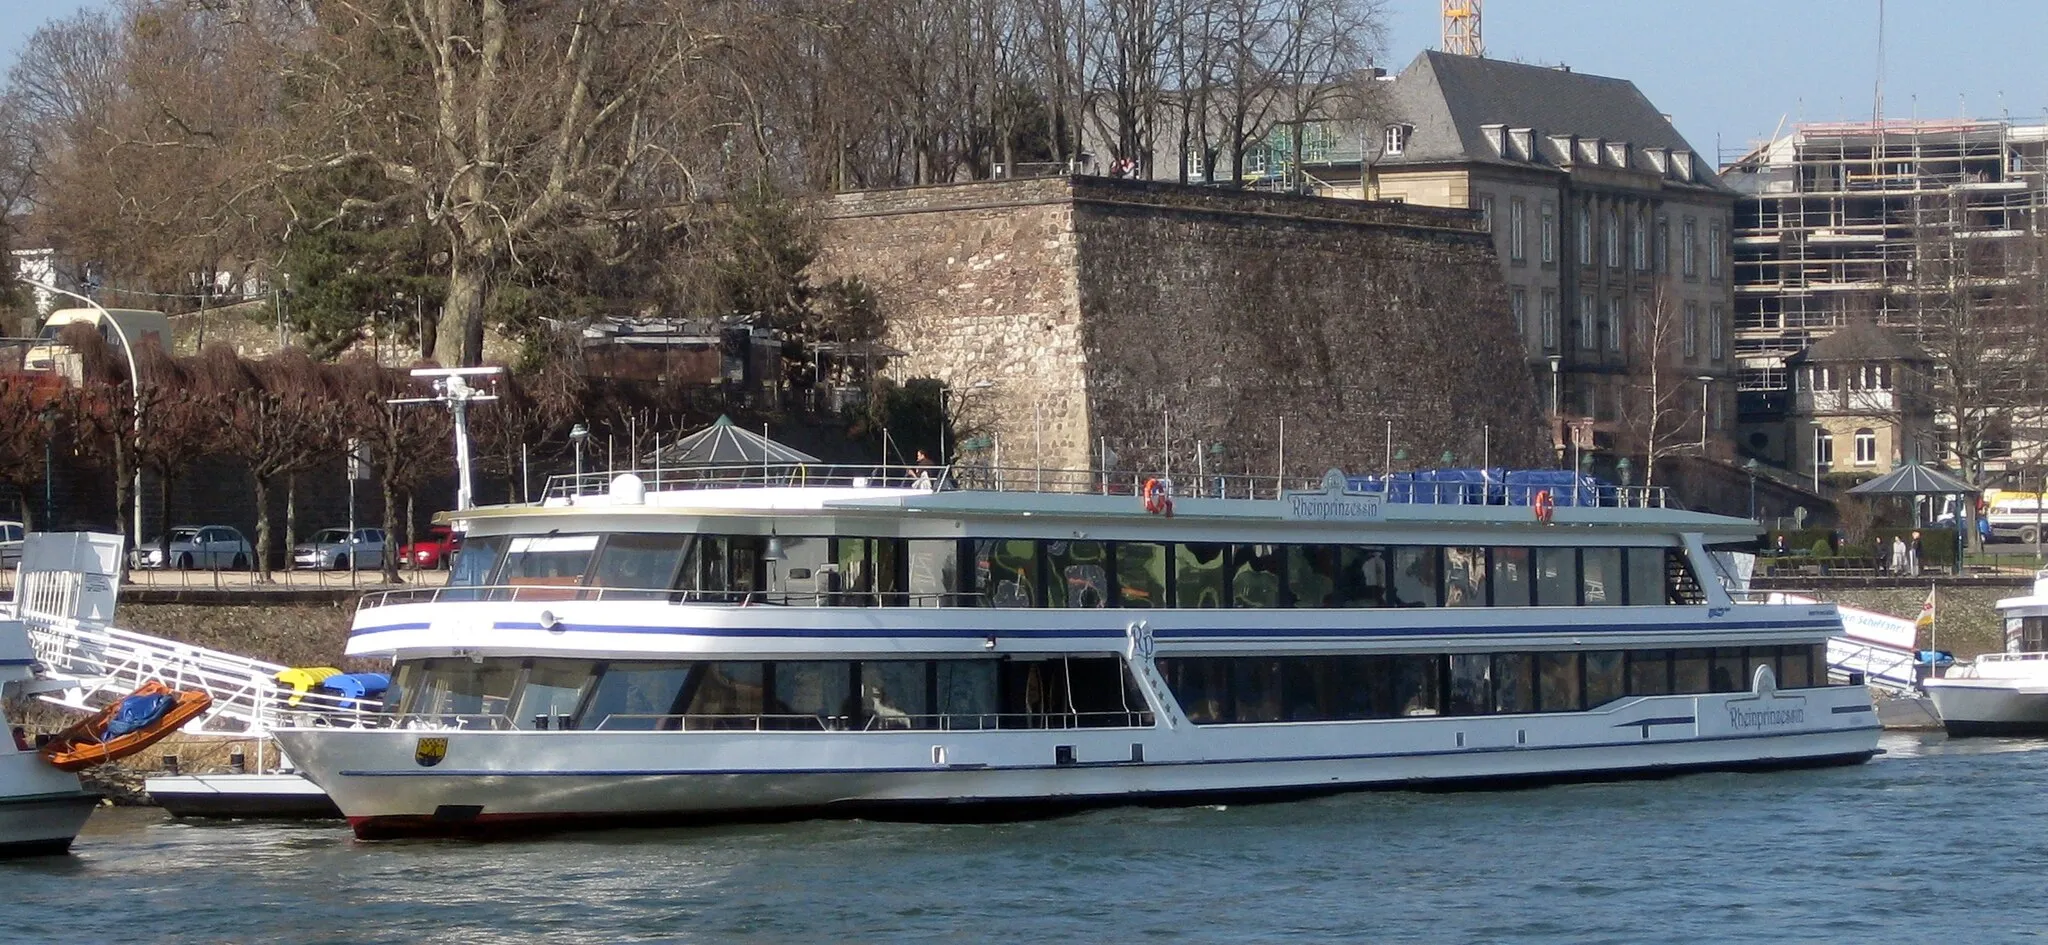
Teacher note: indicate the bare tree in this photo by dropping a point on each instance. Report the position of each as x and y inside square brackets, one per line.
[1658, 412]
[408, 443]
[280, 418]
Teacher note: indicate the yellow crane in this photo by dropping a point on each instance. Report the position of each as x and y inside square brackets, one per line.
[1461, 28]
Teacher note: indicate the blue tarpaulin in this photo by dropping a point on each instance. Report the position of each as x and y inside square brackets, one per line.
[357, 688]
[137, 712]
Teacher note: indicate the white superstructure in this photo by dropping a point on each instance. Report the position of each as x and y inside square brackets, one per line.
[2002, 693]
[817, 643]
[41, 808]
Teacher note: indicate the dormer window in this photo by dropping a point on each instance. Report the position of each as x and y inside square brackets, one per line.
[1397, 138]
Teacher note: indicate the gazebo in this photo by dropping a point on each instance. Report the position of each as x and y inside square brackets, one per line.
[724, 446]
[1917, 479]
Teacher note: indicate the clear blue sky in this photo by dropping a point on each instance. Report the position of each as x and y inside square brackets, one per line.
[1726, 71]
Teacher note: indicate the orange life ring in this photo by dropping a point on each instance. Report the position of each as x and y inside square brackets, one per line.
[1158, 497]
[1544, 505]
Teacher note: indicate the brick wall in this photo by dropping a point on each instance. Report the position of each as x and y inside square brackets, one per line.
[1112, 311]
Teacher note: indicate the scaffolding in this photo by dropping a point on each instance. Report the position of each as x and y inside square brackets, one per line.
[1854, 220]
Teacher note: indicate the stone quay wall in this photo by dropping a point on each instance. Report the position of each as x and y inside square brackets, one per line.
[1161, 321]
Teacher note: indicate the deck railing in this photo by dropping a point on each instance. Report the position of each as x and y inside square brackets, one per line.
[546, 593]
[726, 722]
[983, 478]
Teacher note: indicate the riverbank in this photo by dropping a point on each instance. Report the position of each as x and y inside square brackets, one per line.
[1966, 620]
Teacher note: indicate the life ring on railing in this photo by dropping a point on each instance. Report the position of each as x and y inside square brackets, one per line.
[1159, 497]
[1544, 505]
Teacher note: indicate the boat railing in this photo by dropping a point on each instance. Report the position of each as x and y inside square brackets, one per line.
[877, 722]
[1125, 482]
[2027, 657]
[543, 593]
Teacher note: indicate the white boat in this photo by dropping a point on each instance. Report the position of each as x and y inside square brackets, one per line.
[269, 795]
[835, 645]
[41, 808]
[2002, 693]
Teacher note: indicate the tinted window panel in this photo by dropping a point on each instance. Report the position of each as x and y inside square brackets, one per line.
[1513, 579]
[1690, 671]
[1141, 574]
[1557, 577]
[1601, 571]
[1255, 576]
[1006, 572]
[934, 572]
[1646, 577]
[1363, 577]
[1198, 575]
[1417, 684]
[1725, 675]
[1312, 574]
[1465, 577]
[1795, 670]
[894, 694]
[645, 562]
[965, 694]
[476, 562]
[1080, 573]
[1471, 684]
[1418, 577]
[552, 690]
[1649, 672]
[811, 695]
[1256, 683]
[1514, 688]
[1606, 677]
[1557, 680]
[728, 695]
[635, 697]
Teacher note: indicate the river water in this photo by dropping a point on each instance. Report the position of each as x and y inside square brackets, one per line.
[1936, 840]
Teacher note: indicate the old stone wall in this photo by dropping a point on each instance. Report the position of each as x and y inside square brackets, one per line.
[1069, 314]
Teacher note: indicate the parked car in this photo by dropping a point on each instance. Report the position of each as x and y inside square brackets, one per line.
[339, 550]
[199, 546]
[11, 534]
[435, 549]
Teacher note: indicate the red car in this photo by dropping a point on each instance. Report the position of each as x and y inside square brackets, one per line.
[435, 549]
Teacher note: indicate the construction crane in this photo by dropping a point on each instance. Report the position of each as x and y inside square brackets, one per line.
[1461, 28]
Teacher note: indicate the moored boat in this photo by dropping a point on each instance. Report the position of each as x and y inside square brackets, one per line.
[41, 808]
[124, 726]
[2002, 693]
[621, 653]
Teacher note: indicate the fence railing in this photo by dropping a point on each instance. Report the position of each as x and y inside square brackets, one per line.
[543, 593]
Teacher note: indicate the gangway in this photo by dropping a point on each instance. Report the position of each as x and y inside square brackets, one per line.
[1877, 646]
[65, 593]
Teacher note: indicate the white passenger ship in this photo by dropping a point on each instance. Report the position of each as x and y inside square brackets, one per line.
[820, 644]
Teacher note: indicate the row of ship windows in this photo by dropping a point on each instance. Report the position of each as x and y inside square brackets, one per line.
[1065, 691]
[1088, 573]
[1237, 689]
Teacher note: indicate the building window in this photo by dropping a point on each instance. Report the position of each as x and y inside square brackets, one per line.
[1548, 236]
[1588, 310]
[1517, 209]
[1717, 336]
[1195, 163]
[1663, 244]
[1518, 302]
[1585, 234]
[1866, 447]
[1688, 248]
[1638, 243]
[1690, 335]
[1486, 211]
[1549, 318]
[1613, 238]
[1613, 326]
[1824, 450]
[1397, 139]
[1714, 251]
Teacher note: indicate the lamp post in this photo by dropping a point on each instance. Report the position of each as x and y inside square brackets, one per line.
[48, 418]
[1750, 467]
[134, 384]
[577, 434]
[1706, 408]
[1818, 432]
[1556, 431]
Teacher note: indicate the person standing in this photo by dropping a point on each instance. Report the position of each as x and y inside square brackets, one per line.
[1898, 562]
[1913, 555]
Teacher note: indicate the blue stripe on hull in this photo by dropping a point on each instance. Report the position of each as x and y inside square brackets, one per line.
[1162, 633]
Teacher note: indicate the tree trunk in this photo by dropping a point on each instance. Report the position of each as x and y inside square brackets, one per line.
[163, 532]
[459, 338]
[291, 514]
[384, 483]
[262, 562]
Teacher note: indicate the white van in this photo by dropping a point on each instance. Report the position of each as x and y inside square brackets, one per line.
[139, 326]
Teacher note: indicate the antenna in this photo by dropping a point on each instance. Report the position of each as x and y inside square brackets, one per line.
[450, 389]
[1877, 104]
[1461, 28]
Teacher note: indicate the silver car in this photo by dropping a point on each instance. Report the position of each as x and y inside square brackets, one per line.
[336, 549]
[11, 534]
[211, 547]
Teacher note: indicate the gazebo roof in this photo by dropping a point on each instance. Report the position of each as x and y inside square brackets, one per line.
[723, 444]
[1915, 479]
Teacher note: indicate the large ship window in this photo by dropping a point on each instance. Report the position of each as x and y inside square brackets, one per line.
[1141, 574]
[1312, 574]
[477, 561]
[1255, 579]
[550, 693]
[934, 572]
[1080, 574]
[639, 561]
[800, 576]
[453, 688]
[548, 560]
[1726, 672]
[635, 697]
[726, 695]
[1418, 689]
[1198, 576]
[895, 694]
[1691, 671]
[1362, 577]
[1465, 577]
[1557, 577]
[1418, 577]
[1649, 672]
[1006, 572]
[1600, 570]
[1558, 682]
[1514, 688]
[1255, 681]
[1471, 691]
[1513, 579]
[1795, 669]
[965, 693]
[1069, 692]
[810, 695]
[1606, 677]
[1646, 578]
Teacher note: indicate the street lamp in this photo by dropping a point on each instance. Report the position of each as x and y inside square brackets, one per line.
[48, 418]
[134, 384]
[1706, 408]
[1750, 467]
[1556, 431]
[577, 434]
